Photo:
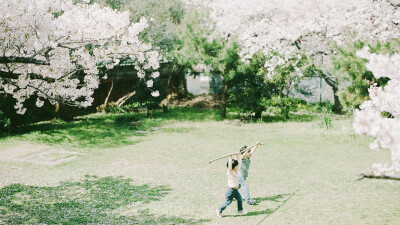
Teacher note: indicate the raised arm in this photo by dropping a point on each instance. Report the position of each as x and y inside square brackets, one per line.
[230, 163]
[254, 148]
[244, 154]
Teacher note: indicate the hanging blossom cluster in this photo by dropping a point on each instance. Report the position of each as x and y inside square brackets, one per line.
[380, 116]
[52, 49]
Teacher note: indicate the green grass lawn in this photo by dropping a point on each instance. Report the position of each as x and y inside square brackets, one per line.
[304, 175]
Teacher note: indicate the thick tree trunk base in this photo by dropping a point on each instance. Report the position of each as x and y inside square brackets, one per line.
[165, 108]
[148, 114]
[257, 115]
[223, 101]
[369, 174]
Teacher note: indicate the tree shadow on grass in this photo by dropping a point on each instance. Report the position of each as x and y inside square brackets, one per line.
[105, 131]
[91, 200]
[281, 198]
[102, 131]
[293, 118]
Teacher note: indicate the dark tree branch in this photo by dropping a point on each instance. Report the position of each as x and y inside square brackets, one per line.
[328, 80]
[320, 53]
[25, 60]
[10, 75]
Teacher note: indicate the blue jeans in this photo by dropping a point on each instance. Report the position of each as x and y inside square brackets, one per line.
[245, 187]
[229, 195]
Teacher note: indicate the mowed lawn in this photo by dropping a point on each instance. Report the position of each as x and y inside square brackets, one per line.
[303, 175]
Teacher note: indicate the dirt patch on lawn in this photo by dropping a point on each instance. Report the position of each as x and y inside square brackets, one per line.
[37, 154]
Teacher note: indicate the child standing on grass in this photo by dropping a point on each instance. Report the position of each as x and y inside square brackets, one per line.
[233, 183]
[244, 171]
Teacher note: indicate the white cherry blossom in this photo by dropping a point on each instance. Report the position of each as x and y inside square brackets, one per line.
[370, 120]
[52, 49]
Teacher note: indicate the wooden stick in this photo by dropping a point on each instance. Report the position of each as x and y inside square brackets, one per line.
[232, 154]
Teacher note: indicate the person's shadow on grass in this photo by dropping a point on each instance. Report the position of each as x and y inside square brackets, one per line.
[282, 198]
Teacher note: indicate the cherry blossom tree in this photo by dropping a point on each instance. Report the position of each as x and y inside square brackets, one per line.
[52, 49]
[312, 27]
[370, 118]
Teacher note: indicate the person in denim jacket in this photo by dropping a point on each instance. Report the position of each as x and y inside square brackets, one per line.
[244, 171]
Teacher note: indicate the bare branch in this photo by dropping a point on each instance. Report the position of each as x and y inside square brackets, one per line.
[25, 60]
[10, 75]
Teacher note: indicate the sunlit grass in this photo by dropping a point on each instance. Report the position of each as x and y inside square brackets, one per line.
[303, 175]
[116, 130]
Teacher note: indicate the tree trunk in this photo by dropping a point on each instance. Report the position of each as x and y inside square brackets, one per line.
[182, 84]
[173, 79]
[336, 105]
[287, 114]
[165, 108]
[109, 92]
[148, 113]
[257, 114]
[223, 101]
[334, 84]
[124, 98]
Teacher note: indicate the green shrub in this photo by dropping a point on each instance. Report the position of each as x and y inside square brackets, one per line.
[5, 122]
[283, 105]
[249, 87]
[317, 107]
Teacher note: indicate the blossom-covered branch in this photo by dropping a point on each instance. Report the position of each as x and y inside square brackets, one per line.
[380, 116]
[51, 49]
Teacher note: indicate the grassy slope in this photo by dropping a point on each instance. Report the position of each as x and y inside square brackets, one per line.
[303, 176]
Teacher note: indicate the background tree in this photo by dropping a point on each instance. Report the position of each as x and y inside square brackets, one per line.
[195, 48]
[285, 73]
[226, 63]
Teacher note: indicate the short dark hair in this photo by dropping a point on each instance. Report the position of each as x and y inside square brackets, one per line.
[243, 149]
[234, 163]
